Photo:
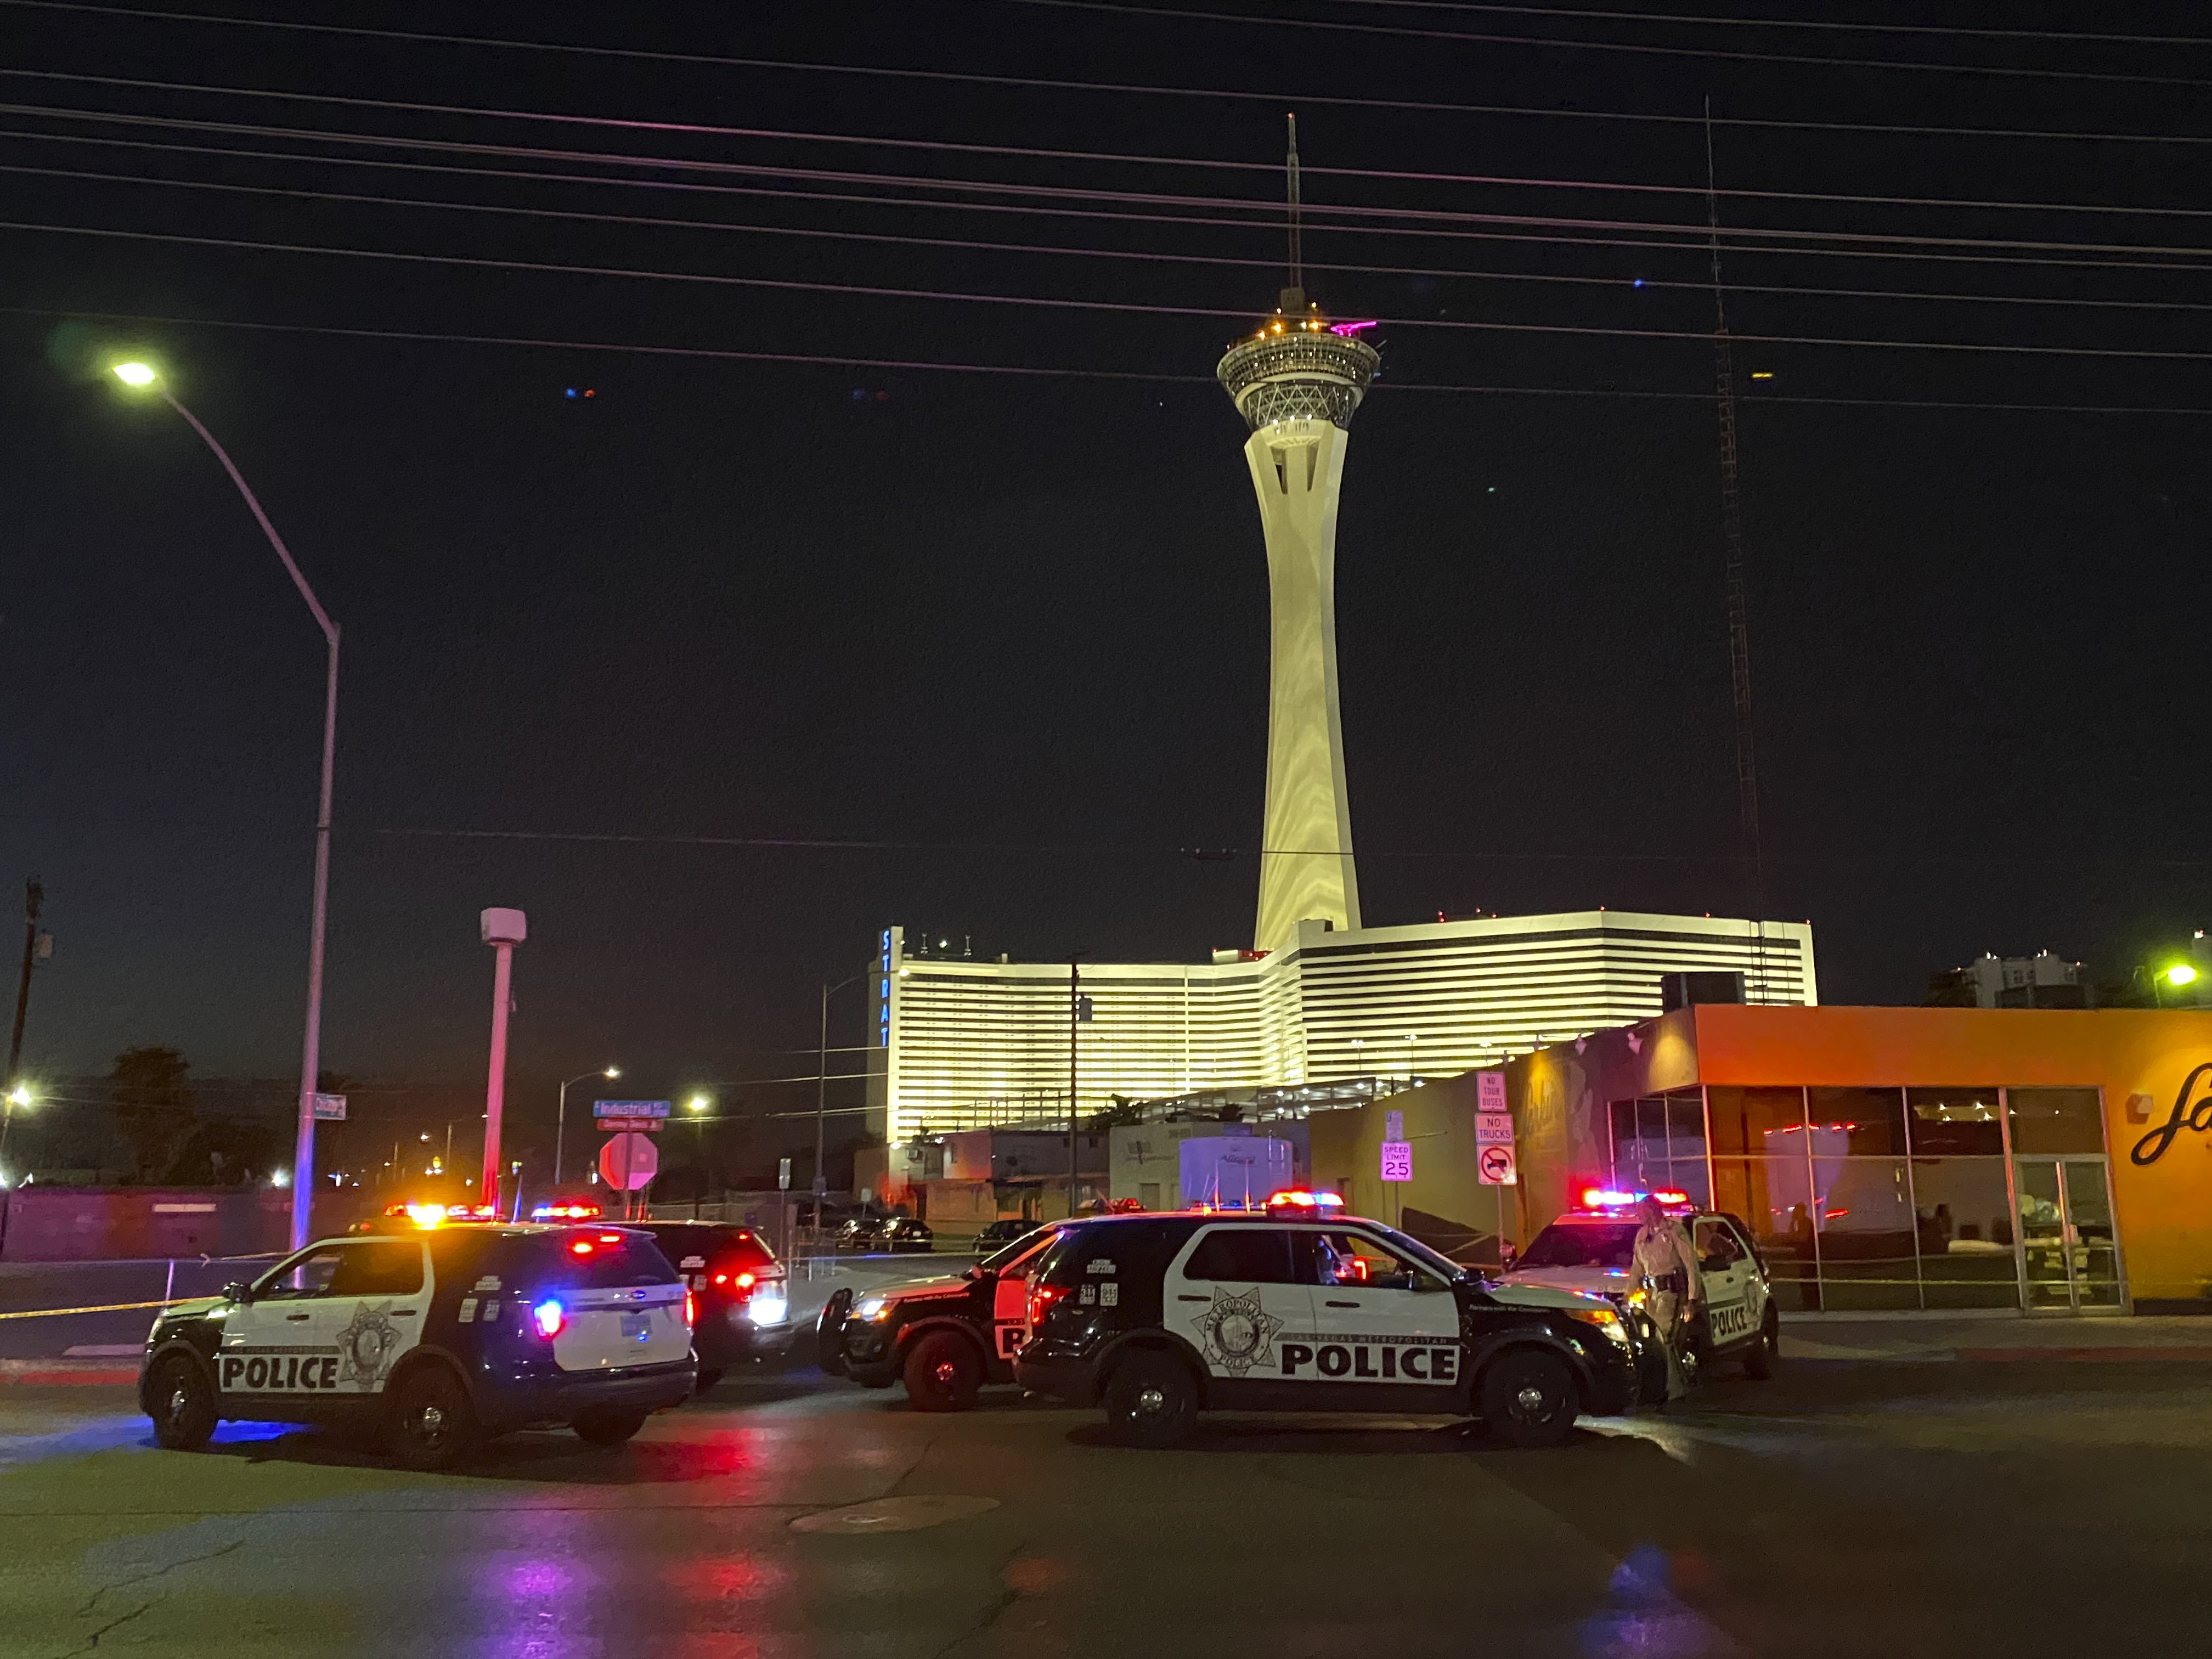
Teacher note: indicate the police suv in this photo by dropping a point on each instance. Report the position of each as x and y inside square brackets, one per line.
[441, 1338]
[1301, 1307]
[1592, 1249]
[944, 1337]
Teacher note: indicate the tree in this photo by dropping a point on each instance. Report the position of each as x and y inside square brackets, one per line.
[153, 1108]
[1122, 1112]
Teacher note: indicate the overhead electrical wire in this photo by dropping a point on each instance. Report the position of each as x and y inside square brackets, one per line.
[447, 336]
[1824, 25]
[1036, 153]
[1265, 209]
[1120, 89]
[1141, 255]
[1054, 303]
[1277, 21]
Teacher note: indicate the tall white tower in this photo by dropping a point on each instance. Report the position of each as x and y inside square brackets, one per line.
[1297, 382]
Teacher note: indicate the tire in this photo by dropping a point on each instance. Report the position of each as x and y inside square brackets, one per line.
[1527, 1399]
[708, 1378]
[433, 1424]
[183, 1401]
[1764, 1355]
[608, 1427]
[1151, 1401]
[943, 1373]
[829, 1332]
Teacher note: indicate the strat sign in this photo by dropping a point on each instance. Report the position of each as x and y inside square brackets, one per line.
[2196, 1117]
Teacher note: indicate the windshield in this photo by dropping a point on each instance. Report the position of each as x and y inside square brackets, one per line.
[1021, 1252]
[1580, 1244]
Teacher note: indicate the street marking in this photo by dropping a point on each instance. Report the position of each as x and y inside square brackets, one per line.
[104, 1350]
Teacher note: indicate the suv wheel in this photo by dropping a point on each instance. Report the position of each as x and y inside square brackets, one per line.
[1152, 1399]
[1528, 1399]
[433, 1424]
[944, 1372]
[829, 1332]
[183, 1403]
[1760, 1359]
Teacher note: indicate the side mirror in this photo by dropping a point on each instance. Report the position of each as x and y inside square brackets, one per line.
[236, 1291]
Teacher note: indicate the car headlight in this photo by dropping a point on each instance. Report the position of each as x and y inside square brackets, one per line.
[1605, 1319]
[870, 1306]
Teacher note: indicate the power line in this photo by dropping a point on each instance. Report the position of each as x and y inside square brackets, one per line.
[1110, 157]
[1093, 215]
[862, 290]
[1030, 372]
[1148, 256]
[1403, 32]
[1787, 23]
[1361, 214]
[1120, 89]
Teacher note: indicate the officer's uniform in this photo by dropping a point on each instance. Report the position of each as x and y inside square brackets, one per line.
[1668, 1266]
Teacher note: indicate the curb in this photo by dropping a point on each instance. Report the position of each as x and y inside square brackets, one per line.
[47, 1373]
[2132, 1355]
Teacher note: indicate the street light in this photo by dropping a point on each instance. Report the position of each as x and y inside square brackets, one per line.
[140, 377]
[561, 1122]
[18, 1095]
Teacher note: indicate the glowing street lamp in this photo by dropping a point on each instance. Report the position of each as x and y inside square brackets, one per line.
[139, 376]
[2180, 974]
[17, 1097]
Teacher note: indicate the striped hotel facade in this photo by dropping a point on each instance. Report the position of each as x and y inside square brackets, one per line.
[963, 1044]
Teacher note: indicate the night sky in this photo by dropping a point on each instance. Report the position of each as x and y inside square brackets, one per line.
[1015, 624]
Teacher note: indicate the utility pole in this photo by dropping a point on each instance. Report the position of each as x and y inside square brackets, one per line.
[34, 896]
[1074, 1024]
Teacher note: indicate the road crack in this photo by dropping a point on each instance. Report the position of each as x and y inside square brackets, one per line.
[92, 1601]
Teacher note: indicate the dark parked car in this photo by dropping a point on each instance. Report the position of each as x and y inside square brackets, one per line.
[999, 1234]
[883, 1234]
[741, 1299]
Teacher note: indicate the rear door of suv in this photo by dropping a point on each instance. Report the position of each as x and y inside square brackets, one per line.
[1235, 1294]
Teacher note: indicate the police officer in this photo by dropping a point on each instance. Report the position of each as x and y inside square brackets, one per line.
[1668, 1265]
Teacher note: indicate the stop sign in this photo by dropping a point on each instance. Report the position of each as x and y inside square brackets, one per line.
[628, 1161]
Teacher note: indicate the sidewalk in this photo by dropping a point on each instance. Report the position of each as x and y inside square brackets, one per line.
[1936, 1338]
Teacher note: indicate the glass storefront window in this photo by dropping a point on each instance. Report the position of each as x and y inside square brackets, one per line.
[2055, 1120]
[1871, 1120]
[1686, 1177]
[1863, 1209]
[1686, 1126]
[1756, 1122]
[1773, 1197]
[1964, 1226]
[1956, 1122]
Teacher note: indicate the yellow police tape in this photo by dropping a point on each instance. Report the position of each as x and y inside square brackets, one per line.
[106, 1307]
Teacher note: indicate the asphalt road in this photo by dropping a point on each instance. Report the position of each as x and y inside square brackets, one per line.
[1955, 1509]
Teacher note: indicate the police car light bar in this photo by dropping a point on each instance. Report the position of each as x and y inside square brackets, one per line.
[1296, 1198]
[565, 1213]
[1606, 1198]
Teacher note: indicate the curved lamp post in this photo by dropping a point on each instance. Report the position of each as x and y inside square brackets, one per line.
[143, 377]
[561, 1122]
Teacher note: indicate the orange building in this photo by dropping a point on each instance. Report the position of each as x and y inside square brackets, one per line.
[2035, 1160]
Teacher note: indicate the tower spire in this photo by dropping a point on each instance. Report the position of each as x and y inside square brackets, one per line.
[1294, 297]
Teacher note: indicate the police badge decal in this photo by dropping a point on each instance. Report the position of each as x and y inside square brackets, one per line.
[367, 1346]
[1239, 1332]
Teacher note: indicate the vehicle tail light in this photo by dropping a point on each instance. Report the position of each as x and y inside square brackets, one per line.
[691, 1309]
[1040, 1301]
[549, 1318]
[582, 1246]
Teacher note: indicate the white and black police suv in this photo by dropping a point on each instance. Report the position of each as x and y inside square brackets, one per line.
[1301, 1307]
[944, 1337]
[1592, 1249]
[440, 1338]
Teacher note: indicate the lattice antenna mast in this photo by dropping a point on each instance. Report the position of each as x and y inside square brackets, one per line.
[1294, 297]
[1746, 757]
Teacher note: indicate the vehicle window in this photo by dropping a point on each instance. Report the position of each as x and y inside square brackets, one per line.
[1243, 1256]
[1350, 1258]
[383, 1268]
[609, 1261]
[1021, 1255]
[1582, 1244]
[1716, 1241]
[306, 1275]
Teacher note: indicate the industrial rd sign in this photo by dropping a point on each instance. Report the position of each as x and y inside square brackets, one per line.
[329, 1109]
[1397, 1160]
[1494, 1167]
[628, 1162]
[621, 1116]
